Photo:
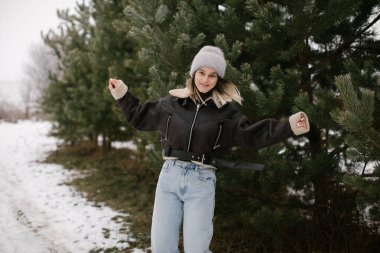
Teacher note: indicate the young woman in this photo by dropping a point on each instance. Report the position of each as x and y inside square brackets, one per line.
[198, 124]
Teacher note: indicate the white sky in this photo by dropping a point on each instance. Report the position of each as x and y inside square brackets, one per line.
[21, 22]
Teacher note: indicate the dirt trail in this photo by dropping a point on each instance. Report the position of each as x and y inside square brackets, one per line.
[38, 212]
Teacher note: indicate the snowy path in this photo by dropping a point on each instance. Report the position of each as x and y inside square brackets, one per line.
[38, 212]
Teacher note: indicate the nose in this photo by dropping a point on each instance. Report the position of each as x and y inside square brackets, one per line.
[205, 79]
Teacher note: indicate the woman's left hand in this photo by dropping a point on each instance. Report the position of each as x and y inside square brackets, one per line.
[302, 121]
[299, 123]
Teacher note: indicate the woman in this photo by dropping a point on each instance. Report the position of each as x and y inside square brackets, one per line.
[198, 125]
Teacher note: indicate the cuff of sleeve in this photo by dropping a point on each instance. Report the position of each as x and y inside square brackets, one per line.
[120, 90]
[293, 120]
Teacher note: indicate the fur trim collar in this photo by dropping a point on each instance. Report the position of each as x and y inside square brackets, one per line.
[227, 93]
[180, 93]
[185, 93]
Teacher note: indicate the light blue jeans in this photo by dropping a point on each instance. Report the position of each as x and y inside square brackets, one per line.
[185, 192]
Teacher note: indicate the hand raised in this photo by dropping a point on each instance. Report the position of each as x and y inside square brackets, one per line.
[112, 83]
[302, 122]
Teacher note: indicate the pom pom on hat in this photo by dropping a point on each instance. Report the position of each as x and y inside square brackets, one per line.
[209, 56]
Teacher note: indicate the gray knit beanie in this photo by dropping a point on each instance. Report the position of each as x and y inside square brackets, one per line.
[209, 56]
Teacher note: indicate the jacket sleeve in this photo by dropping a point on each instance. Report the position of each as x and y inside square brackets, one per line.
[267, 132]
[142, 116]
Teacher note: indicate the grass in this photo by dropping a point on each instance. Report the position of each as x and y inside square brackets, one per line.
[117, 179]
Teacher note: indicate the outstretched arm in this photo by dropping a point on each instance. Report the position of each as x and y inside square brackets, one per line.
[142, 116]
[269, 131]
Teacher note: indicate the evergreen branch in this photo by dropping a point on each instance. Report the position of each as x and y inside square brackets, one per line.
[364, 167]
[347, 43]
[370, 175]
[368, 26]
[373, 142]
[338, 150]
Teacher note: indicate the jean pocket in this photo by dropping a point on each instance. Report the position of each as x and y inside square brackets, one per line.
[206, 175]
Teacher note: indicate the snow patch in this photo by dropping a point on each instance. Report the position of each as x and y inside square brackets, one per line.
[38, 212]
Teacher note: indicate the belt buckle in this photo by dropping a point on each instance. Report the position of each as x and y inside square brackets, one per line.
[203, 158]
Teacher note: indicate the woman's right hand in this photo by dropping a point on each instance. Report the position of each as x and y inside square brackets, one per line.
[117, 88]
[113, 84]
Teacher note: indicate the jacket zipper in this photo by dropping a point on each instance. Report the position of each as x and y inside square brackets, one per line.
[192, 126]
[216, 145]
[167, 128]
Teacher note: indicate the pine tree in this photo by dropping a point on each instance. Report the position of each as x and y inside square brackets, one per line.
[63, 98]
[284, 56]
[90, 51]
[359, 117]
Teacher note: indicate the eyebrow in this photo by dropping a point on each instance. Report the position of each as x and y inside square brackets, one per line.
[212, 73]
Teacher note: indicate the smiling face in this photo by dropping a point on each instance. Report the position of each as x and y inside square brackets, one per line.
[205, 79]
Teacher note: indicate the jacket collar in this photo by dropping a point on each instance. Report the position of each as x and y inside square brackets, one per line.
[180, 93]
[184, 93]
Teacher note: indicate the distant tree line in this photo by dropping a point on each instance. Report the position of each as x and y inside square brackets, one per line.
[319, 192]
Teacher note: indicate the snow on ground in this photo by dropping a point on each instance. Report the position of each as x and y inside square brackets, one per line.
[39, 213]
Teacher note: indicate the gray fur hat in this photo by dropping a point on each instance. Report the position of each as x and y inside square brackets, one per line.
[209, 56]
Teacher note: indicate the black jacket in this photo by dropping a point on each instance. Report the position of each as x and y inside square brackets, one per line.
[203, 128]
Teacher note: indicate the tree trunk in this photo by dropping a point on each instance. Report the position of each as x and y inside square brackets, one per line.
[106, 143]
[27, 109]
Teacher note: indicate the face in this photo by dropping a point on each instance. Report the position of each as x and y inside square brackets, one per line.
[205, 79]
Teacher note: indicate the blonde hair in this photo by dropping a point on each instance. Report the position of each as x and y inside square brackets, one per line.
[223, 92]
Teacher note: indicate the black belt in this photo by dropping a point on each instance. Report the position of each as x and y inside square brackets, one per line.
[206, 159]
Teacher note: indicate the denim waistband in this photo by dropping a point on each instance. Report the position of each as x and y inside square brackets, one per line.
[189, 165]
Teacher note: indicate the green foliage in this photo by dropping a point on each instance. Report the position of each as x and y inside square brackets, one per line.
[320, 57]
[358, 113]
[90, 51]
[284, 56]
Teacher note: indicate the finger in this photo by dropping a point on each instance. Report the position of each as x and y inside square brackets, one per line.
[112, 83]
